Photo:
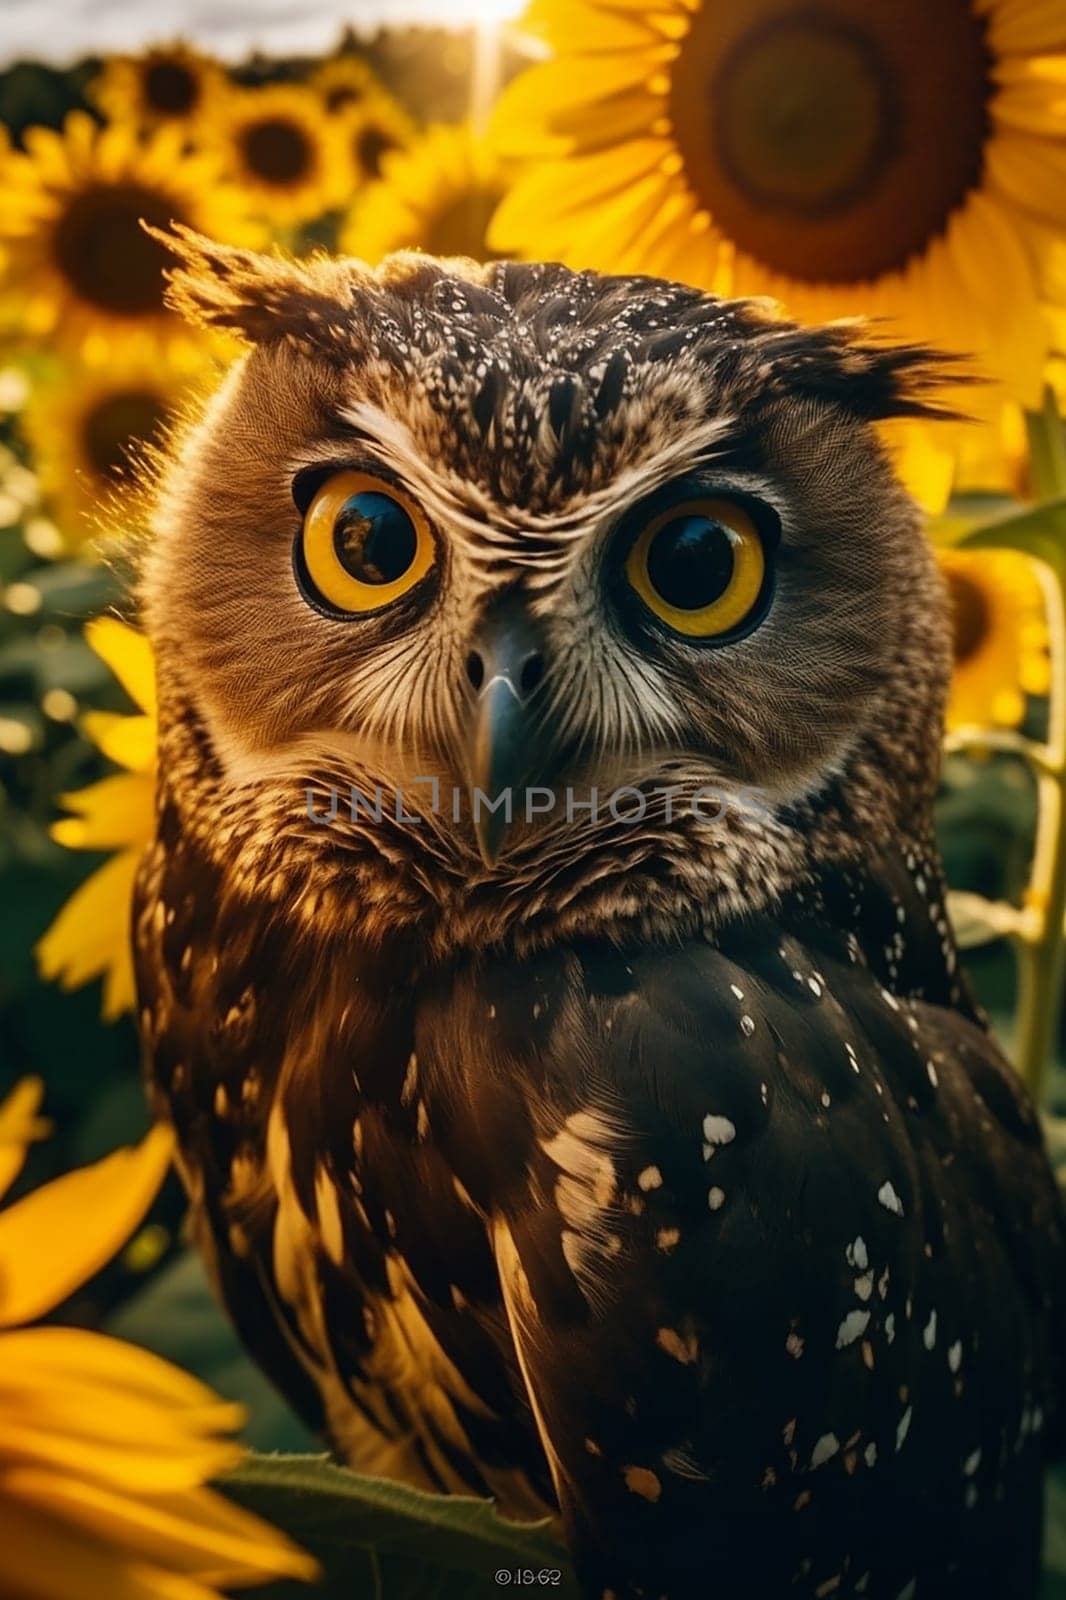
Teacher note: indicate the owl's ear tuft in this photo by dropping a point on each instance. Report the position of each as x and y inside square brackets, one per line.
[260, 298]
[841, 364]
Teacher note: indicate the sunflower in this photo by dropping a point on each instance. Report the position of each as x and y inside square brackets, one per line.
[904, 161]
[81, 270]
[170, 84]
[1000, 637]
[438, 195]
[345, 83]
[287, 154]
[88, 427]
[91, 934]
[104, 1448]
[374, 130]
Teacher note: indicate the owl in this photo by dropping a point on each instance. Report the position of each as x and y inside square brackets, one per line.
[542, 953]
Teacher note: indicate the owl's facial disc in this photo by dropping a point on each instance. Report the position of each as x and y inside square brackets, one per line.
[524, 669]
[683, 571]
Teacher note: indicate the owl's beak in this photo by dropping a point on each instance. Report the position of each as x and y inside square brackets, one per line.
[505, 666]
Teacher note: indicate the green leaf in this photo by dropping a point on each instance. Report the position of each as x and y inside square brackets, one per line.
[1055, 1534]
[1047, 446]
[966, 511]
[1039, 531]
[15, 558]
[380, 1539]
[74, 589]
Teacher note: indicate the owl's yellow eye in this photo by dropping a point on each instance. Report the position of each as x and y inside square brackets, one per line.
[364, 543]
[700, 567]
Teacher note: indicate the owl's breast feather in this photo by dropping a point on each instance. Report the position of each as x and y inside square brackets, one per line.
[752, 1242]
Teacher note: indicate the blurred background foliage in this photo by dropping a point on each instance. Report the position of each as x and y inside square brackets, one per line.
[367, 151]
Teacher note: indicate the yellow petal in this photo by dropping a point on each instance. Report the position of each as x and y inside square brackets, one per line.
[676, 7]
[574, 80]
[532, 115]
[609, 122]
[46, 146]
[20, 1126]
[55, 1238]
[147, 1467]
[44, 1558]
[616, 232]
[991, 263]
[669, 249]
[128, 740]
[91, 934]
[77, 1354]
[550, 202]
[1024, 27]
[1031, 94]
[1048, 246]
[196, 1532]
[111, 814]
[1031, 172]
[75, 1412]
[129, 655]
[588, 29]
[924, 459]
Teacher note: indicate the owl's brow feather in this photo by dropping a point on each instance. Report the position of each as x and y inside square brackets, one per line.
[483, 525]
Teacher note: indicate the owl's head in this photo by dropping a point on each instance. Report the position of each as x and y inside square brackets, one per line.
[518, 528]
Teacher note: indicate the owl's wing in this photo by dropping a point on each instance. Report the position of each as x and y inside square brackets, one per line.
[357, 1274]
[777, 1247]
[204, 1071]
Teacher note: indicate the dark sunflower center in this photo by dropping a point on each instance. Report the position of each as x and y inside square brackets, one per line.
[459, 227]
[970, 616]
[117, 424]
[103, 252]
[371, 145]
[823, 130]
[277, 151]
[821, 139]
[343, 95]
[170, 88]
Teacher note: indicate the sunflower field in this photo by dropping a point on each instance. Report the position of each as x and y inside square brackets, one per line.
[904, 163]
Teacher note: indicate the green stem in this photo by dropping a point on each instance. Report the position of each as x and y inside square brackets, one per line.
[1040, 961]
[1047, 449]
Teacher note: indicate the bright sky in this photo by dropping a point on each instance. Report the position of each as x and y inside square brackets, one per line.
[61, 31]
